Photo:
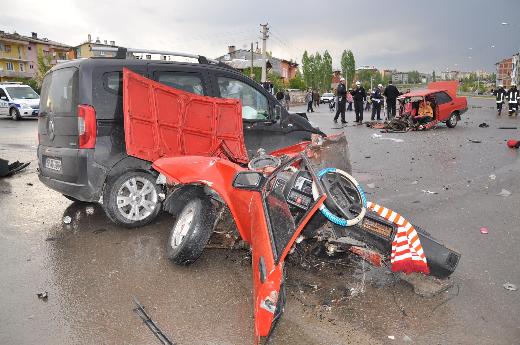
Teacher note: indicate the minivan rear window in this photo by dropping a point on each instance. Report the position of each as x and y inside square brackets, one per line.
[60, 92]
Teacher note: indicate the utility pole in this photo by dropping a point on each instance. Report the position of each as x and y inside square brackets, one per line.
[265, 36]
[252, 74]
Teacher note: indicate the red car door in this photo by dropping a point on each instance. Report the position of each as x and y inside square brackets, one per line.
[445, 105]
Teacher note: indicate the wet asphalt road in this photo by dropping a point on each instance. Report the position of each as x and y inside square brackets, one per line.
[92, 269]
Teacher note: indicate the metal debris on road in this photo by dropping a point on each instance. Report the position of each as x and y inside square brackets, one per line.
[492, 177]
[415, 182]
[391, 337]
[504, 193]
[475, 141]
[507, 127]
[428, 192]
[139, 310]
[67, 220]
[44, 295]
[379, 136]
[371, 185]
[483, 125]
[509, 286]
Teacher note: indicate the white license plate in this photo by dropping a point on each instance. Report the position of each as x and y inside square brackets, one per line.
[53, 164]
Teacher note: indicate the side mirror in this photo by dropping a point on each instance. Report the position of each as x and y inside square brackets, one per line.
[248, 180]
[277, 112]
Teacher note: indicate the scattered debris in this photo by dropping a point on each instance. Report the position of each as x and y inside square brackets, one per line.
[98, 231]
[504, 193]
[483, 230]
[514, 144]
[29, 184]
[407, 338]
[44, 295]
[509, 286]
[507, 127]
[391, 337]
[483, 125]
[89, 210]
[51, 238]
[67, 220]
[475, 141]
[492, 177]
[371, 185]
[415, 182]
[139, 309]
[428, 192]
[367, 156]
[379, 136]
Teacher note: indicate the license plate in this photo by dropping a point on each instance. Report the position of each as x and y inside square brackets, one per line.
[53, 164]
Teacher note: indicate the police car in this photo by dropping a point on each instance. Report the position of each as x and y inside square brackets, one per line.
[18, 100]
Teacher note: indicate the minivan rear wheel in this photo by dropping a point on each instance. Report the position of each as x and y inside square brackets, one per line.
[15, 114]
[132, 199]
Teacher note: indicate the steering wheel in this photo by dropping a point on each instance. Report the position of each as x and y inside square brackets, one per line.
[344, 194]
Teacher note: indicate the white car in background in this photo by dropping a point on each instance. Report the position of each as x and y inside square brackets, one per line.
[327, 98]
[18, 100]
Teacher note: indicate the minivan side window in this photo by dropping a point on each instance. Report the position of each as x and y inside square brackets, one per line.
[187, 82]
[113, 81]
[442, 98]
[60, 92]
[254, 104]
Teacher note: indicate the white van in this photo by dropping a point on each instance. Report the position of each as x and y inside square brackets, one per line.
[18, 100]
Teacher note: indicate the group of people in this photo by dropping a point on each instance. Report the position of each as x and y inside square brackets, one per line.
[359, 97]
[512, 96]
[284, 98]
[312, 98]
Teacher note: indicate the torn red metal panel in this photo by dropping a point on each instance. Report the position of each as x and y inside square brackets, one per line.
[369, 255]
[163, 121]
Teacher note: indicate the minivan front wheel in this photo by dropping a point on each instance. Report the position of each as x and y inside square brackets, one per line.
[15, 114]
[132, 200]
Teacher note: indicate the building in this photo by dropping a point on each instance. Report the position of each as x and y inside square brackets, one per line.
[285, 68]
[19, 54]
[14, 62]
[400, 78]
[84, 50]
[508, 71]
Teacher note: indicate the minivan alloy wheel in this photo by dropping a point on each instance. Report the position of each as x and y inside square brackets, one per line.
[136, 198]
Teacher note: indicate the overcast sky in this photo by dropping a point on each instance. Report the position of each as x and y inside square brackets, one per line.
[401, 34]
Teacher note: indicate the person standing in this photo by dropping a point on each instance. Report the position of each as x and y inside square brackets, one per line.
[391, 93]
[377, 100]
[308, 99]
[287, 98]
[350, 100]
[316, 98]
[341, 93]
[513, 98]
[500, 95]
[369, 100]
[359, 95]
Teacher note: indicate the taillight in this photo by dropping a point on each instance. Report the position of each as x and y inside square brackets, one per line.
[86, 126]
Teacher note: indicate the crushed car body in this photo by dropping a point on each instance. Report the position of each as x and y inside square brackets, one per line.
[276, 199]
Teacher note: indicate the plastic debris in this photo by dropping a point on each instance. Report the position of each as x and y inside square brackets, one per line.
[67, 220]
[391, 337]
[415, 182]
[475, 141]
[379, 136]
[407, 338]
[492, 177]
[483, 230]
[508, 127]
[89, 210]
[510, 287]
[371, 185]
[44, 295]
[504, 193]
[483, 125]
[428, 192]
[514, 144]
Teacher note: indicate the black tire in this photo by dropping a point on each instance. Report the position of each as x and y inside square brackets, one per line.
[452, 121]
[191, 231]
[134, 213]
[15, 114]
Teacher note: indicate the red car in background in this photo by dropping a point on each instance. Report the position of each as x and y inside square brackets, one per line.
[442, 95]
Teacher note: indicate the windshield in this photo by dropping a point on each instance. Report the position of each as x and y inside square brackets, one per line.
[22, 92]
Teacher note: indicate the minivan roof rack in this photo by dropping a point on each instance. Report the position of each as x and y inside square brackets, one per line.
[121, 53]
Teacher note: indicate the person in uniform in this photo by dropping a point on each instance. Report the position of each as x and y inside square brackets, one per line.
[377, 101]
[500, 95]
[512, 99]
[359, 94]
[341, 93]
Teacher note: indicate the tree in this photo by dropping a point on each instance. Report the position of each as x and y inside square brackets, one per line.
[306, 68]
[297, 82]
[414, 77]
[351, 67]
[44, 65]
[326, 72]
[434, 78]
[257, 72]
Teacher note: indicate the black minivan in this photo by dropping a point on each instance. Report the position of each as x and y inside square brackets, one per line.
[81, 151]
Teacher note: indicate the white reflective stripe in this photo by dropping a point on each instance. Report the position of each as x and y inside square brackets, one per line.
[400, 221]
[403, 256]
[392, 216]
[384, 213]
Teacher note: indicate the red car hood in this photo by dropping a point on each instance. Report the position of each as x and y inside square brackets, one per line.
[449, 86]
[161, 121]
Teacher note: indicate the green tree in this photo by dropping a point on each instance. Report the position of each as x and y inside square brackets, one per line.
[276, 79]
[306, 67]
[297, 82]
[414, 77]
[326, 72]
[44, 65]
[257, 72]
[351, 67]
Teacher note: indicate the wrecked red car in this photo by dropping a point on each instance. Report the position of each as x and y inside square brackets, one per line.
[439, 102]
[276, 200]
